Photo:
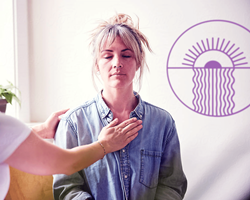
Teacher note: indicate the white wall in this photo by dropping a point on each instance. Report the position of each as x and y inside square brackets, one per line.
[215, 150]
[14, 65]
[7, 68]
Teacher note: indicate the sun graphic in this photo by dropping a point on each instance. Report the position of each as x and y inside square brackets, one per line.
[220, 47]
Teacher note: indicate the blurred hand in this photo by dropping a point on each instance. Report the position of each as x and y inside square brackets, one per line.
[114, 137]
[47, 129]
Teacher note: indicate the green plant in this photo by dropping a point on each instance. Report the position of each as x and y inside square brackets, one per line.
[6, 92]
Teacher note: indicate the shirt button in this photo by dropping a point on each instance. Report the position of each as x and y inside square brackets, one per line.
[125, 176]
[123, 150]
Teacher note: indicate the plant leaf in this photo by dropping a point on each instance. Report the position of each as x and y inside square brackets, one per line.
[8, 97]
[6, 92]
[17, 100]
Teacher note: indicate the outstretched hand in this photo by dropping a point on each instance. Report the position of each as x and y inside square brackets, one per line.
[47, 129]
[114, 137]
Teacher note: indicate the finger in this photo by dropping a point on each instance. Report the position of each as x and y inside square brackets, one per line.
[134, 130]
[132, 137]
[127, 122]
[112, 123]
[61, 112]
[132, 126]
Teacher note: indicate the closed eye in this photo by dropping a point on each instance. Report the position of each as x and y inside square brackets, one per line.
[107, 57]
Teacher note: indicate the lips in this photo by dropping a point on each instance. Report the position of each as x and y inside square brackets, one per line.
[117, 74]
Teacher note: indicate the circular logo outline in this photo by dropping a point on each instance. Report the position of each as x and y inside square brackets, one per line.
[169, 54]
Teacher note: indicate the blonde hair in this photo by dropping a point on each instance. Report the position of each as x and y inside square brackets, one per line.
[120, 25]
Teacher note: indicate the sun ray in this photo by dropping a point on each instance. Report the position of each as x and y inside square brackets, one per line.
[189, 56]
[199, 47]
[187, 64]
[222, 44]
[239, 59]
[218, 40]
[234, 51]
[192, 52]
[230, 48]
[241, 64]
[203, 45]
[226, 46]
[189, 60]
[237, 55]
[196, 50]
[208, 47]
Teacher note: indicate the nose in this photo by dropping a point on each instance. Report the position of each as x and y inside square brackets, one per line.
[117, 62]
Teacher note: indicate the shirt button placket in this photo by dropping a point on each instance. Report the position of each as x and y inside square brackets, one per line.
[125, 170]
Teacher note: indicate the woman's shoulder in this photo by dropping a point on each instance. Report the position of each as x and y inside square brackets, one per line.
[156, 110]
[87, 106]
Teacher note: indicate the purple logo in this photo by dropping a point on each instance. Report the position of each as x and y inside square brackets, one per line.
[208, 68]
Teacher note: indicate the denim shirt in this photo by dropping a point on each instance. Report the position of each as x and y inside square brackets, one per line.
[148, 168]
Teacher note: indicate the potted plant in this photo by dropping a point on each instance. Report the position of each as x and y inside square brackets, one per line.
[6, 96]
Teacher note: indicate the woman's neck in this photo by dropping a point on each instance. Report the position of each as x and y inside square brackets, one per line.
[120, 101]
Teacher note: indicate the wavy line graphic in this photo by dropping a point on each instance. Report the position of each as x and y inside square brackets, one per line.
[213, 91]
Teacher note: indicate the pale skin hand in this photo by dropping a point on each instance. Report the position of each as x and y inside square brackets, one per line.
[114, 137]
[47, 129]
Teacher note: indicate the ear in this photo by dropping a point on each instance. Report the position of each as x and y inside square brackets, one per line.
[97, 68]
[138, 65]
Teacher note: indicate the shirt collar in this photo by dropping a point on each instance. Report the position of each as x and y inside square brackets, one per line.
[139, 108]
[101, 105]
[104, 109]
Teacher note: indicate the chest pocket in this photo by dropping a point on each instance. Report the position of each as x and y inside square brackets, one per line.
[150, 167]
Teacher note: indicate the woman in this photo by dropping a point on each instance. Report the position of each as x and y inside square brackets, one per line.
[21, 148]
[150, 166]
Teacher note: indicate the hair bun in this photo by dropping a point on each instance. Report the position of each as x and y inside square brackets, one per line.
[121, 18]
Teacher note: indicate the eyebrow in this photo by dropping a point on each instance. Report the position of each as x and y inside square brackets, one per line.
[126, 50]
[112, 50]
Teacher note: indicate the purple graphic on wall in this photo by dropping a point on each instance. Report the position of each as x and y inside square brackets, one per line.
[208, 68]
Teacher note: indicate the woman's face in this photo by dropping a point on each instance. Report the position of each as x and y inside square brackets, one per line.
[117, 65]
